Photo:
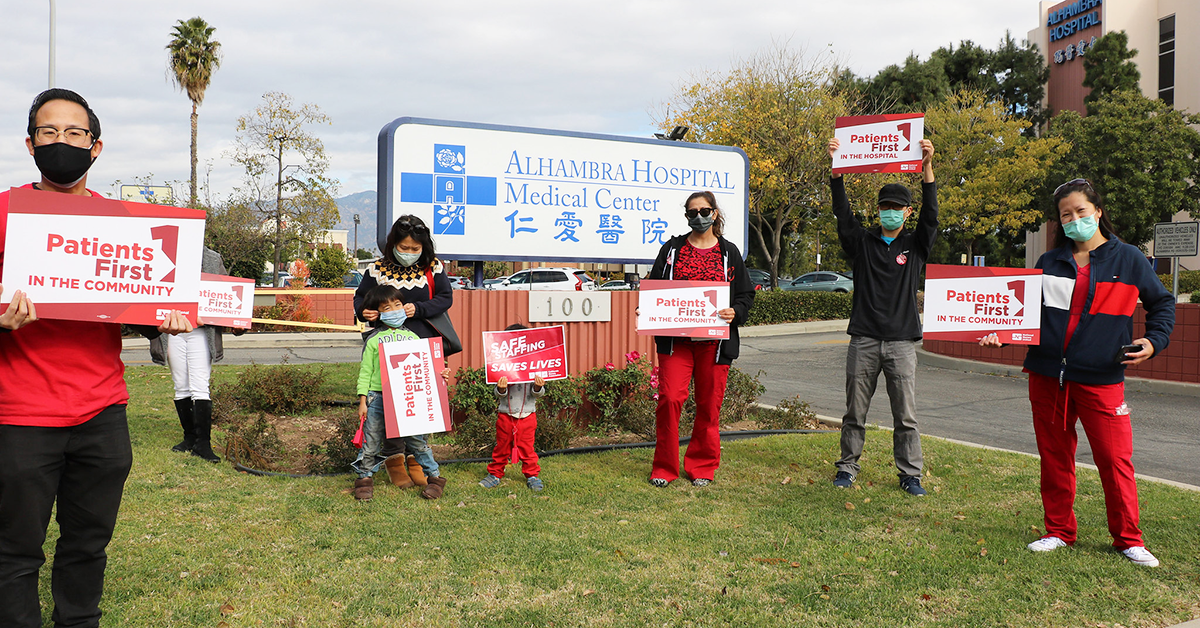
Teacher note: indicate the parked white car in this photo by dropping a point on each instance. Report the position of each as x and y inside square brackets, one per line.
[547, 279]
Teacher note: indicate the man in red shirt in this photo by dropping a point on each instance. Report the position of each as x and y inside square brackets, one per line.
[63, 431]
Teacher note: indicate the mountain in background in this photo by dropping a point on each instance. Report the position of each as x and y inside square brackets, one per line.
[363, 204]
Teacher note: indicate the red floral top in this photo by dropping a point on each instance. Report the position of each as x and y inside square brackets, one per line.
[699, 264]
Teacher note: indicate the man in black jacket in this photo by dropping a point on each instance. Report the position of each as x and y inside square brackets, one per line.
[884, 326]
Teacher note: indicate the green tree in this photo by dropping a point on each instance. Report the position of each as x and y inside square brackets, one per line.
[1108, 68]
[779, 107]
[1140, 154]
[364, 254]
[192, 57]
[990, 171]
[914, 87]
[329, 266]
[300, 205]
[1021, 75]
[235, 231]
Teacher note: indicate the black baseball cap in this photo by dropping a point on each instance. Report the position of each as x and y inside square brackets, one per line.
[895, 194]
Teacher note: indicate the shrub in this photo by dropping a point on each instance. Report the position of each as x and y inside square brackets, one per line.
[619, 396]
[337, 452]
[1189, 281]
[253, 443]
[790, 414]
[779, 306]
[282, 389]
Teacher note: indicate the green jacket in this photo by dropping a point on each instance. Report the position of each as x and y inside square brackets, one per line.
[368, 372]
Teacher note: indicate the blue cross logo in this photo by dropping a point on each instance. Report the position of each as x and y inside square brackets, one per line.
[449, 188]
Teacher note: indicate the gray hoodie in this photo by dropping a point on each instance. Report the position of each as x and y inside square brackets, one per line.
[519, 400]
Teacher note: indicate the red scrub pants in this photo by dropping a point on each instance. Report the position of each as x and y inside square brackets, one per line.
[1105, 418]
[689, 360]
[514, 441]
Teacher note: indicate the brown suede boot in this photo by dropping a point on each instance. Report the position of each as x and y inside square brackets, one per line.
[416, 472]
[364, 489]
[397, 472]
[434, 489]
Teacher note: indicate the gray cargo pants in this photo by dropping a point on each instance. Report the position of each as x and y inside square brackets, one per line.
[865, 358]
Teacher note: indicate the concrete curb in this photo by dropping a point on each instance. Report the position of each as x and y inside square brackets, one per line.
[1149, 478]
[788, 329]
[1136, 384]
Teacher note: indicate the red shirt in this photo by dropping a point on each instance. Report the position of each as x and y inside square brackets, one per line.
[1083, 283]
[57, 373]
[699, 264]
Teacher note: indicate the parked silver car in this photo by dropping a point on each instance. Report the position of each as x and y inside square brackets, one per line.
[821, 280]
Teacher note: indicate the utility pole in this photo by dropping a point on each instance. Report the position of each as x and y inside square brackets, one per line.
[52, 20]
[279, 213]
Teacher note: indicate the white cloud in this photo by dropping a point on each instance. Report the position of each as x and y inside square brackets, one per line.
[587, 66]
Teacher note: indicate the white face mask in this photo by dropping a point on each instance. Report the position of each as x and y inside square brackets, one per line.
[406, 259]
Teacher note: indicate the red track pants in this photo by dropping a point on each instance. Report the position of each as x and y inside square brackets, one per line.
[690, 360]
[514, 441]
[1105, 418]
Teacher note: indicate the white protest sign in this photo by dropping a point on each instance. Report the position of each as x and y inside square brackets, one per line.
[966, 303]
[96, 259]
[883, 143]
[226, 300]
[415, 399]
[682, 308]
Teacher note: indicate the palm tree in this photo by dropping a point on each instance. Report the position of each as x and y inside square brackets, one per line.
[193, 56]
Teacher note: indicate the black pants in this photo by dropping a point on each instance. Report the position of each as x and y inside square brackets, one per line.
[84, 467]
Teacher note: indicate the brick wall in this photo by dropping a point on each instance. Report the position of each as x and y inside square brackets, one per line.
[1179, 363]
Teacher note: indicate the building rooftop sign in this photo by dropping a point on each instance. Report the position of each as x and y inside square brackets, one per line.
[1068, 21]
[491, 192]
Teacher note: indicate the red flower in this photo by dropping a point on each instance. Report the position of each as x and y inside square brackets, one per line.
[610, 367]
[632, 356]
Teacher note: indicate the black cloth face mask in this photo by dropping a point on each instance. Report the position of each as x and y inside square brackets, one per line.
[62, 164]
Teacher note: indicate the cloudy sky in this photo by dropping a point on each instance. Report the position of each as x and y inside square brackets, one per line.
[599, 66]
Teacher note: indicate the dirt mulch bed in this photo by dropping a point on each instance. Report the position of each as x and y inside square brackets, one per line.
[297, 433]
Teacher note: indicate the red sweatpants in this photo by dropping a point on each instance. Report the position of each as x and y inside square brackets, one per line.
[690, 360]
[1105, 418]
[514, 441]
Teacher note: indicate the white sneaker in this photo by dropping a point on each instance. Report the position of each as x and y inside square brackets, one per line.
[1047, 544]
[1140, 556]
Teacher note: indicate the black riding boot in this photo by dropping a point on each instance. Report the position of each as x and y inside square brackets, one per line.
[203, 446]
[186, 419]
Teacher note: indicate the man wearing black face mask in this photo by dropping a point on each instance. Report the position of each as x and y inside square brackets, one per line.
[63, 431]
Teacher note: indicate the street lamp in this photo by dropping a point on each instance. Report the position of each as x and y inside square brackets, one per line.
[356, 238]
[52, 19]
[675, 135]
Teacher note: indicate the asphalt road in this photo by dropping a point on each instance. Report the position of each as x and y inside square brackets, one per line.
[985, 409]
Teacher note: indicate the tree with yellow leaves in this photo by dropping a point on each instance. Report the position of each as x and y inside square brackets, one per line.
[779, 107]
[988, 171]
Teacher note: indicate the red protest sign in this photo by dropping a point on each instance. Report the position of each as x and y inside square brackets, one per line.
[522, 354]
[89, 258]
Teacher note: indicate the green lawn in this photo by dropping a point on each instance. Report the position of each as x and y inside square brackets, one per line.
[199, 544]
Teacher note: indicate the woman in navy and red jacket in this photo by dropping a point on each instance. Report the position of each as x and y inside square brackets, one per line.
[1091, 283]
[702, 255]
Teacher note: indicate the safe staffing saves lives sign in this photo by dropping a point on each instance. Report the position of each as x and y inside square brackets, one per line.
[884, 143]
[96, 259]
[966, 303]
[415, 400]
[522, 354]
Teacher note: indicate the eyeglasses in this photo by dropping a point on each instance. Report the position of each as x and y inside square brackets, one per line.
[405, 226]
[703, 211]
[48, 134]
[1071, 183]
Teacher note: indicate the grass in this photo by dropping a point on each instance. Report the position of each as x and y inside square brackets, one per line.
[771, 543]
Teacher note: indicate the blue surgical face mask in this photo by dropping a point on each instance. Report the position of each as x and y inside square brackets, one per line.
[406, 259]
[1081, 229]
[394, 318]
[891, 219]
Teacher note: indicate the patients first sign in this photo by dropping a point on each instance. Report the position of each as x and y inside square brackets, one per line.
[884, 143]
[95, 259]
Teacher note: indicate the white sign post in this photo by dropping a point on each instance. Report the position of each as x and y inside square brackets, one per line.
[491, 192]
